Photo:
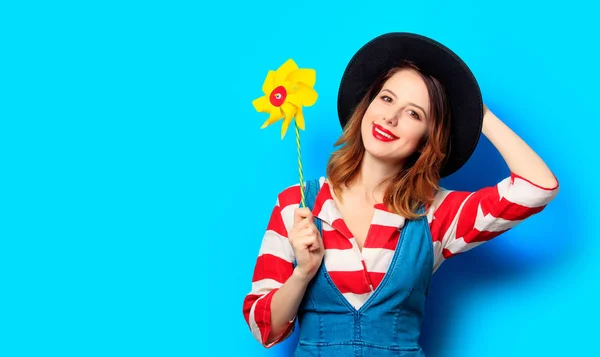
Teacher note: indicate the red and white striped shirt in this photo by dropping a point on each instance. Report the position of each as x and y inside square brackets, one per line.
[459, 221]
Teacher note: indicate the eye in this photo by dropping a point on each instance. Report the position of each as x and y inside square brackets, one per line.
[414, 114]
[386, 98]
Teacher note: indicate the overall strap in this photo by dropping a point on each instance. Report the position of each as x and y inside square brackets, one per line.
[311, 192]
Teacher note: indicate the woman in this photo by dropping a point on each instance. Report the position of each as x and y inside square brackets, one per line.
[412, 113]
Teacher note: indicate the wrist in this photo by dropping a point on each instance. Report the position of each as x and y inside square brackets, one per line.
[488, 117]
[300, 276]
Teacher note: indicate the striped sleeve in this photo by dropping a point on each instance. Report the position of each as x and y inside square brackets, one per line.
[274, 265]
[464, 220]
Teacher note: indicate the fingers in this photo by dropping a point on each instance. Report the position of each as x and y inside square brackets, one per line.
[304, 224]
[319, 240]
[308, 231]
[309, 242]
[306, 235]
[300, 214]
[309, 236]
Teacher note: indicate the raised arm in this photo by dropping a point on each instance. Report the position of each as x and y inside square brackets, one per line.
[520, 158]
[460, 221]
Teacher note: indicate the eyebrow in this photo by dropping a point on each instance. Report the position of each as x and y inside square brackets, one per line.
[413, 104]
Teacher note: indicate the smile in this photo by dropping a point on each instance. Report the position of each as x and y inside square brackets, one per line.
[382, 134]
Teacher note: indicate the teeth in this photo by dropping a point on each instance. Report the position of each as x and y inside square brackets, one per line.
[384, 134]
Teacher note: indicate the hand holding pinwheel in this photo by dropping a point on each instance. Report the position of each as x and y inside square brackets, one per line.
[287, 90]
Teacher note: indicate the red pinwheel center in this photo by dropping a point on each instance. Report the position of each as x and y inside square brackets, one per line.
[278, 96]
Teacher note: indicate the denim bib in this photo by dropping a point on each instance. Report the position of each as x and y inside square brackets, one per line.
[389, 323]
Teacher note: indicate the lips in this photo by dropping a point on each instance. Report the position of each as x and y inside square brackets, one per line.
[383, 134]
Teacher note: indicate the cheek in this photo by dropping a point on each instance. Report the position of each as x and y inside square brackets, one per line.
[368, 117]
[415, 132]
[366, 123]
[374, 110]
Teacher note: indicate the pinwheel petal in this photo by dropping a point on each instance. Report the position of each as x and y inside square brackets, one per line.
[300, 118]
[289, 111]
[307, 94]
[284, 71]
[262, 105]
[294, 99]
[303, 75]
[276, 114]
[269, 83]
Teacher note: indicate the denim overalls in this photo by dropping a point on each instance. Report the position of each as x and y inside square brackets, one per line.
[389, 322]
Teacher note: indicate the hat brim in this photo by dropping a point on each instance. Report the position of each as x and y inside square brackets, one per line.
[464, 95]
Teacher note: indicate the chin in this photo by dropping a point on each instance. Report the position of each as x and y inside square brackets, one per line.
[382, 154]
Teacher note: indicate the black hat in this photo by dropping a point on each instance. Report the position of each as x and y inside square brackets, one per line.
[387, 51]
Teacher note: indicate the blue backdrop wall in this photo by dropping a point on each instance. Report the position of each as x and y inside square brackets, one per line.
[137, 184]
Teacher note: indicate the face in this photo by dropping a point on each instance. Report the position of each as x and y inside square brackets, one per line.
[396, 122]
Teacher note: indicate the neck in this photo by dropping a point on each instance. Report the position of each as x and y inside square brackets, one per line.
[371, 181]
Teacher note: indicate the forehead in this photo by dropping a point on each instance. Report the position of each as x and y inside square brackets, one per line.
[408, 85]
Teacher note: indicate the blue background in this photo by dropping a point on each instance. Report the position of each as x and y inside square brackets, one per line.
[133, 165]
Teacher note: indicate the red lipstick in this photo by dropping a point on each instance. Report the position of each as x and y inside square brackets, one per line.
[380, 133]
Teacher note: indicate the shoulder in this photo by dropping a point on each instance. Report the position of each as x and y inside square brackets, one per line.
[447, 198]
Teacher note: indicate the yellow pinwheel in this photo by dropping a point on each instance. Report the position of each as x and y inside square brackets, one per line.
[287, 90]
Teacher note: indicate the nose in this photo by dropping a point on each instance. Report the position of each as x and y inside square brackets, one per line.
[391, 119]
